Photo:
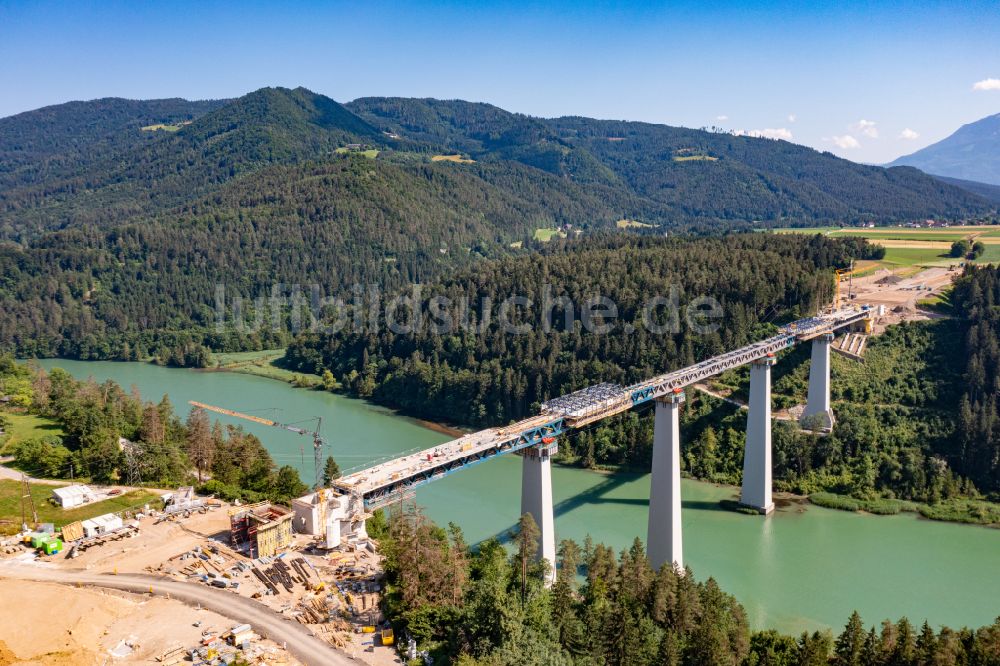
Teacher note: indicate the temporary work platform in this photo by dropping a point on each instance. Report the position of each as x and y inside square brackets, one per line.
[263, 528]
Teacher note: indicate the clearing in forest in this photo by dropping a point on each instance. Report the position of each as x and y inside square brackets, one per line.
[458, 159]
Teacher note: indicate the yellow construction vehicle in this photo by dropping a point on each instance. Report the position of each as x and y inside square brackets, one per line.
[841, 274]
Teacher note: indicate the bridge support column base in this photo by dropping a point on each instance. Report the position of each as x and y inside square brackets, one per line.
[818, 415]
[762, 510]
[756, 492]
[664, 538]
[536, 499]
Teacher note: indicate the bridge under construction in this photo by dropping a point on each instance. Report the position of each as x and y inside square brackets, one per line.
[535, 438]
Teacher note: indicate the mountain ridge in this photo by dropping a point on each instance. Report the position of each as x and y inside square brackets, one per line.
[970, 153]
[662, 176]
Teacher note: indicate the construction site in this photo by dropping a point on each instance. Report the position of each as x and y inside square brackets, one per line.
[307, 564]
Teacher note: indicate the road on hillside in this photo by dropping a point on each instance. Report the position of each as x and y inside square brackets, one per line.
[303, 645]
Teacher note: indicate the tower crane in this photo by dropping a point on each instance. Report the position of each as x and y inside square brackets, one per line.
[318, 441]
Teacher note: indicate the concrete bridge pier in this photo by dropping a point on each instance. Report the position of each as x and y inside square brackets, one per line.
[756, 492]
[664, 542]
[817, 414]
[536, 499]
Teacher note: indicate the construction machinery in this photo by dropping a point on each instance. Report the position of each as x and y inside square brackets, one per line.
[841, 274]
[318, 441]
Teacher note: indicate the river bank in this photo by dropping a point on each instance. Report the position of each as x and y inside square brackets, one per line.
[956, 510]
[262, 364]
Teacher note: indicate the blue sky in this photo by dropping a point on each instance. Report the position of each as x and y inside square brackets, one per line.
[866, 80]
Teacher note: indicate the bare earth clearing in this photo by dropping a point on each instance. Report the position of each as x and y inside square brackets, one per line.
[148, 563]
[49, 623]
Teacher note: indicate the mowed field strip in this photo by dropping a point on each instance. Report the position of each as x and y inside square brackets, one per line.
[908, 247]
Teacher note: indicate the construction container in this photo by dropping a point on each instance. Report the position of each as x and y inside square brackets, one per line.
[387, 636]
[52, 546]
[39, 538]
[241, 634]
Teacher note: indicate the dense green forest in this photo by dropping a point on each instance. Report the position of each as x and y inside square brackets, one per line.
[490, 376]
[149, 289]
[489, 607]
[92, 417]
[977, 440]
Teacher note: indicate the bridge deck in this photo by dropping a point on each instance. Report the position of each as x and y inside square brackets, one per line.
[381, 483]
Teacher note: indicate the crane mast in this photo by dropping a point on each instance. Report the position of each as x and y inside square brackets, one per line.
[318, 441]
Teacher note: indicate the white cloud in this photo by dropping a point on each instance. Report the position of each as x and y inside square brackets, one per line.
[846, 142]
[987, 84]
[769, 133]
[722, 118]
[908, 135]
[792, 117]
[866, 127]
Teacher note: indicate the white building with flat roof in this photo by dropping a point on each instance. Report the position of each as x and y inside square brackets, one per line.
[109, 522]
[70, 496]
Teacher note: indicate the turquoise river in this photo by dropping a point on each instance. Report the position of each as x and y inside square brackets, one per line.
[802, 568]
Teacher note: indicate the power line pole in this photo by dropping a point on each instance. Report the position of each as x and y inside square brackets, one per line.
[133, 464]
[27, 500]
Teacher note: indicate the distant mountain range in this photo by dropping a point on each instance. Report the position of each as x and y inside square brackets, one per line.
[972, 154]
[111, 162]
[119, 219]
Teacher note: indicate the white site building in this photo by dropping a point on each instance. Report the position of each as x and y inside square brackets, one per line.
[109, 522]
[324, 513]
[70, 496]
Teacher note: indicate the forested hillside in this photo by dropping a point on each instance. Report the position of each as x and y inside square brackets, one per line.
[59, 141]
[172, 168]
[698, 175]
[92, 163]
[119, 220]
[493, 376]
[977, 299]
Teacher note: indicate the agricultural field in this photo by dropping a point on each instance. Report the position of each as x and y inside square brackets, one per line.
[371, 153]
[632, 224]
[545, 235]
[24, 427]
[48, 512]
[163, 127]
[805, 230]
[458, 159]
[907, 247]
[918, 256]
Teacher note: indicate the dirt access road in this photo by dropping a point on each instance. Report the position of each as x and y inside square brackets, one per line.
[304, 646]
